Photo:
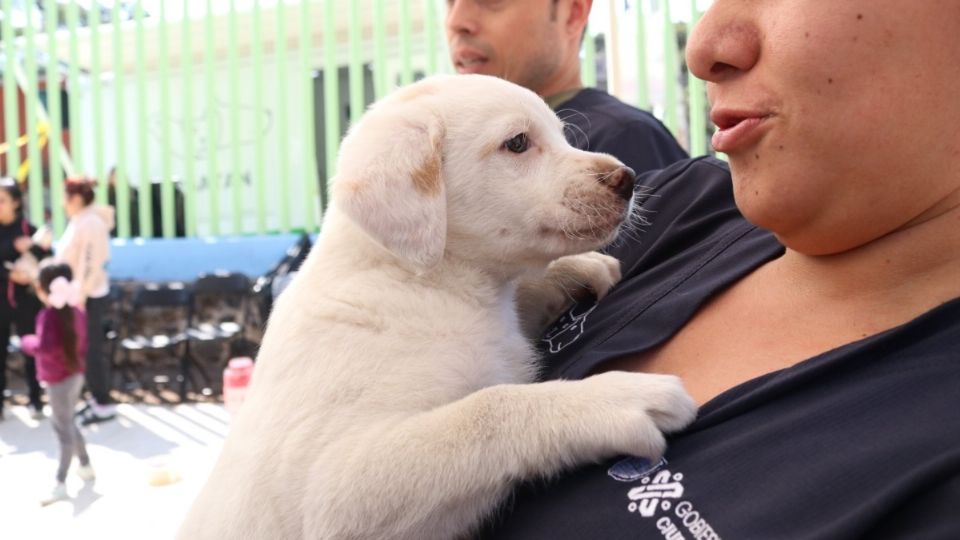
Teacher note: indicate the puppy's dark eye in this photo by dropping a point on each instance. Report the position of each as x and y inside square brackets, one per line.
[517, 144]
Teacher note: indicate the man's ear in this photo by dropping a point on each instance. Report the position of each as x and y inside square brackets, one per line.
[389, 181]
[577, 15]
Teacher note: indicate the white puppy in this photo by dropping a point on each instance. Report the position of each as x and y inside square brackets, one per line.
[392, 396]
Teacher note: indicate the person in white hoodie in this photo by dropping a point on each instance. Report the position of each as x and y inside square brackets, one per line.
[85, 246]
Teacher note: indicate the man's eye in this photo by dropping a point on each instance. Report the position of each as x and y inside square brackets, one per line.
[517, 144]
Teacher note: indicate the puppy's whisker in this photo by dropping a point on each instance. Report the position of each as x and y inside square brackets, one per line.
[564, 114]
[577, 130]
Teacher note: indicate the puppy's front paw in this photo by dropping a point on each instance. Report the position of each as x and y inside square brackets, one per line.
[543, 298]
[644, 407]
[590, 272]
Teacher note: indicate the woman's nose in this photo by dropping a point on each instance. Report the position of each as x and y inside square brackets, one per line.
[725, 42]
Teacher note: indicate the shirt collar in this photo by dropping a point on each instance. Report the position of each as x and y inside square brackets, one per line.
[560, 98]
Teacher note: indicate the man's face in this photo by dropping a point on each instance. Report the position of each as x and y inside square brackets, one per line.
[521, 41]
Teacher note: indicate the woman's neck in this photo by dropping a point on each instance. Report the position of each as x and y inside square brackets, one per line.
[916, 264]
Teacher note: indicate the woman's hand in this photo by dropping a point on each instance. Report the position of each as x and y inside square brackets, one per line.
[20, 277]
[22, 243]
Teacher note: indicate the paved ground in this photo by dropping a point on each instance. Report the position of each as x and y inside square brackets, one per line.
[144, 444]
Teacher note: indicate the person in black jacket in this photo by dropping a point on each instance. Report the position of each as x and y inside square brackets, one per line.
[536, 44]
[18, 303]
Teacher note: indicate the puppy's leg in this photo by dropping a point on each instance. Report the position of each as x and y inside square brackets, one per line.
[438, 473]
[541, 299]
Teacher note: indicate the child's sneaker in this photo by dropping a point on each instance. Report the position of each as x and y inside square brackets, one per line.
[59, 493]
[86, 473]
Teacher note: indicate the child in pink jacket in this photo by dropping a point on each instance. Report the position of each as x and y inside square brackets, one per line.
[59, 347]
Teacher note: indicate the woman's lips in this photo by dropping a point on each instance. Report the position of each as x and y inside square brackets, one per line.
[739, 133]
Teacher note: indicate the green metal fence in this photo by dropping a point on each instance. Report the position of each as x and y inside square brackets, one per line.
[224, 117]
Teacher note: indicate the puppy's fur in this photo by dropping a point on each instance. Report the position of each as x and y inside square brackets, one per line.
[391, 396]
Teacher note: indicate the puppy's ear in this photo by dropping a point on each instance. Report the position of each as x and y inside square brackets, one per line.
[389, 181]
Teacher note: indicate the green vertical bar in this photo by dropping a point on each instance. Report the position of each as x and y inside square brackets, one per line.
[432, 28]
[331, 88]
[236, 180]
[189, 173]
[123, 195]
[35, 184]
[259, 167]
[55, 140]
[697, 100]
[212, 122]
[380, 49]
[11, 97]
[145, 194]
[97, 124]
[73, 89]
[167, 199]
[589, 59]
[643, 80]
[406, 66]
[356, 65]
[671, 71]
[281, 138]
[309, 145]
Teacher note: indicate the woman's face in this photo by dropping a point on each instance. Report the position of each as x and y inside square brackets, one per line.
[8, 207]
[72, 204]
[841, 120]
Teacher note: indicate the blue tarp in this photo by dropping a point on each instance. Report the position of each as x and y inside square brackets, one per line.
[183, 259]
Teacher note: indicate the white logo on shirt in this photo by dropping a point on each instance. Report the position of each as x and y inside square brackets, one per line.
[567, 329]
[662, 493]
[655, 492]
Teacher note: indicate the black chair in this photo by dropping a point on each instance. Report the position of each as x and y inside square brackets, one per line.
[290, 263]
[221, 304]
[113, 322]
[159, 317]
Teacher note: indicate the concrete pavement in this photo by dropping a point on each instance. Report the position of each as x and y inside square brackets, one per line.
[145, 444]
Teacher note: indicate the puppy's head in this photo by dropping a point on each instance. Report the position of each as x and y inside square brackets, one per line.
[476, 168]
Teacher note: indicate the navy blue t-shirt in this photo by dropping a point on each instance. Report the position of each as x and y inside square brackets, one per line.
[862, 441]
[600, 122]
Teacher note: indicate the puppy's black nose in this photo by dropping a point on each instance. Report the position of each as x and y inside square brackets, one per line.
[621, 182]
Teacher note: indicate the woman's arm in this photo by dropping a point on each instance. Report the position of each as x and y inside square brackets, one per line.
[8, 253]
[38, 249]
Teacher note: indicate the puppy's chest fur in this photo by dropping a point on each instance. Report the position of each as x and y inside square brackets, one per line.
[461, 342]
[417, 346]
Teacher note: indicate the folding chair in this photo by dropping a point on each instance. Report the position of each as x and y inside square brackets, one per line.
[221, 302]
[164, 313]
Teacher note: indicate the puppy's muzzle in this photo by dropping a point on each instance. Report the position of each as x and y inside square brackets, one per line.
[621, 181]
